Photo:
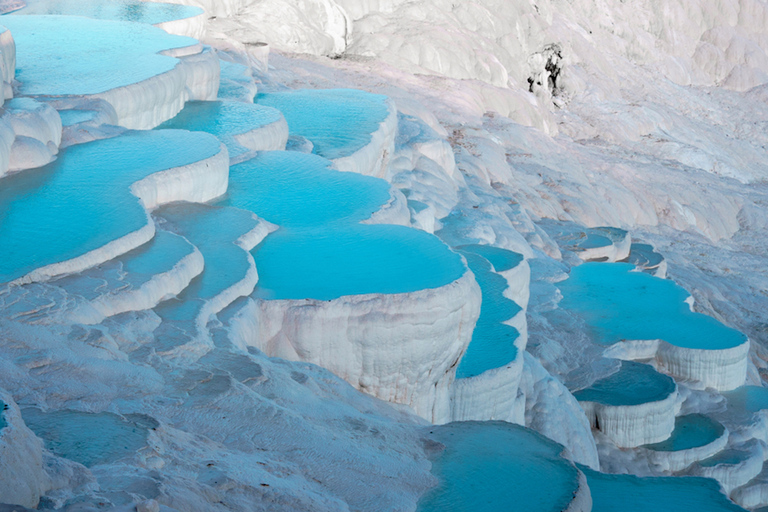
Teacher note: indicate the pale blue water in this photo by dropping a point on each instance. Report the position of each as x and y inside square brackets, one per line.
[132, 269]
[592, 241]
[417, 206]
[213, 231]
[70, 117]
[235, 83]
[301, 190]
[496, 466]
[119, 10]
[628, 493]
[67, 55]
[501, 259]
[691, 431]
[337, 121]
[327, 263]
[633, 384]
[224, 119]
[748, 398]
[493, 343]
[90, 439]
[728, 457]
[619, 304]
[644, 256]
[82, 200]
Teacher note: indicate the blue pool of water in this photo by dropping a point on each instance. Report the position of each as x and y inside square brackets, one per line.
[119, 10]
[644, 256]
[501, 259]
[728, 457]
[213, 231]
[355, 259]
[493, 343]
[497, 466]
[619, 304]
[748, 398]
[71, 117]
[301, 190]
[691, 431]
[69, 55]
[132, 269]
[629, 493]
[90, 439]
[338, 122]
[224, 119]
[633, 384]
[3, 422]
[82, 200]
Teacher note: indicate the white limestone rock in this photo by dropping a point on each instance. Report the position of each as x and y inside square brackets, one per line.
[22, 476]
[402, 348]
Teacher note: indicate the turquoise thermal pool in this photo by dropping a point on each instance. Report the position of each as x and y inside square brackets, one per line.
[82, 201]
[224, 119]
[496, 466]
[90, 439]
[728, 457]
[747, 398]
[338, 122]
[629, 493]
[501, 259]
[691, 431]
[71, 55]
[618, 304]
[71, 117]
[130, 270]
[633, 384]
[301, 190]
[321, 251]
[118, 10]
[214, 231]
[355, 259]
[644, 256]
[493, 342]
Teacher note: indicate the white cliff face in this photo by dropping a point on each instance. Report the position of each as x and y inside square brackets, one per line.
[548, 407]
[22, 476]
[411, 361]
[723, 370]
[632, 426]
[34, 132]
[7, 62]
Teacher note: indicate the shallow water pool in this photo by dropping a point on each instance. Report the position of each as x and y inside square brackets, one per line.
[691, 431]
[82, 200]
[620, 304]
[747, 398]
[633, 384]
[338, 122]
[71, 55]
[302, 190]
[224, 119]
[90, 439]
[355, 259]
[493, 342]
[118, 10]
[495, 466]
[629, 493]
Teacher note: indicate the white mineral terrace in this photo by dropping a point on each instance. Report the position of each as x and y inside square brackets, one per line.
[336, 276]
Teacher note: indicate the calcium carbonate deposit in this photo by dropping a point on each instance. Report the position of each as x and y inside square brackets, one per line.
[383, 255]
